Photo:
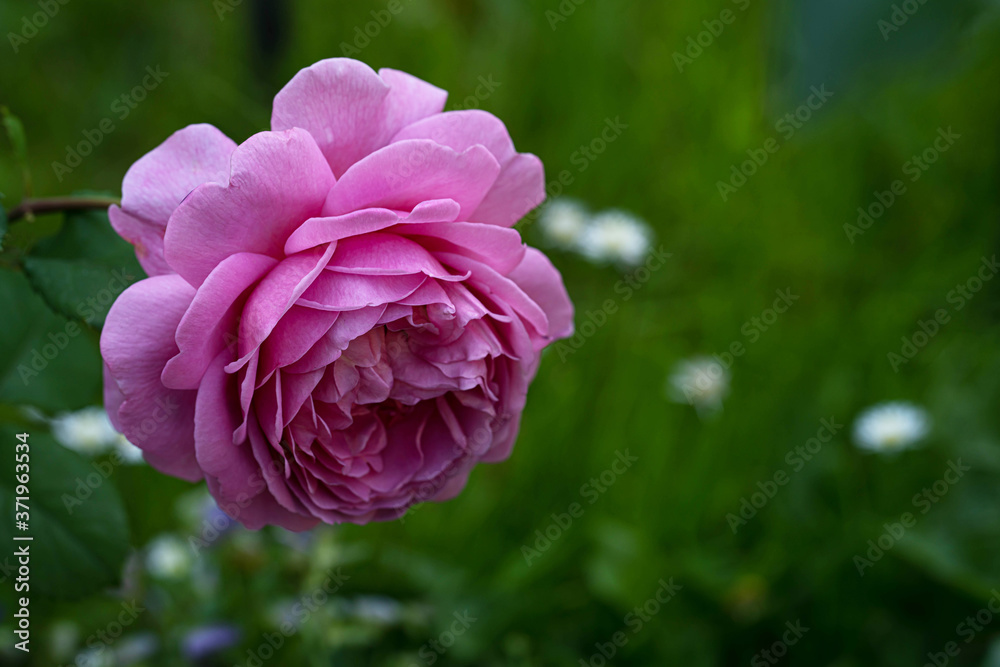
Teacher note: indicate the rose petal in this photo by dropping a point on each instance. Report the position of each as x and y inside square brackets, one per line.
[157, 183]
[519, 188]
[347, 291]
[277, 181]
[135, 347]
[460, 130]
[350, 110]
[317, 231]
[406, 173]
[209, 325]
[497, 247]
[537, 278]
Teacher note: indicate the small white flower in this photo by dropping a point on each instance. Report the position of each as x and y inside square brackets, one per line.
[88, 431]
[616, 237]
[63, 639]
[891, 427]
[98, 656]
[702, 382]
[563, 221]
[135, 648]
[128, 452]
[167, 557]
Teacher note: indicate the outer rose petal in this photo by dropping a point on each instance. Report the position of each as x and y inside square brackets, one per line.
[160, 180]
[137, 341]
[113, 398]
[537, 278]
[350, 110]
[519, 188]
[262, 510]
[277, 180]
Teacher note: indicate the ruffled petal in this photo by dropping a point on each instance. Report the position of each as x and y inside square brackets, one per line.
[210, 323]
[406, 173]
[350, 110]
[460, 130]
[537, 278]
[157, 183]
[277, 180]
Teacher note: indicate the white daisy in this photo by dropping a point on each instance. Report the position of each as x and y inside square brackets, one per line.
[617, 237]
[167, 557]
[891, 427]
[702, 382]
[87, 431]
[563, 221]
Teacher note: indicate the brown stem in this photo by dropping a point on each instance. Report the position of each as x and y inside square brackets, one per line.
[52, 204]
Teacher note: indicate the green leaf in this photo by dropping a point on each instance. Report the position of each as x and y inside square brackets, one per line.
[45, 360]
[19, 142]
[76, 518]
[15, 132]
[82, 269]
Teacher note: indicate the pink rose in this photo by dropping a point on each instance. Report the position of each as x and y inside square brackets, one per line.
[339, 320]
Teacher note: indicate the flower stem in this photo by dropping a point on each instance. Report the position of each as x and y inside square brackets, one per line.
[29, 207]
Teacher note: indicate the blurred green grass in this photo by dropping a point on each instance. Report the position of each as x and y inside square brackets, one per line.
[665, 517]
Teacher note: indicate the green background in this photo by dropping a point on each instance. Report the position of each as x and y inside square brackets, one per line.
[666, 516]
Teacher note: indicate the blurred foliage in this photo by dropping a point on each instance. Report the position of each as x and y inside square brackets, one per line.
[77, 522]
[825, 359]
[82, 269]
